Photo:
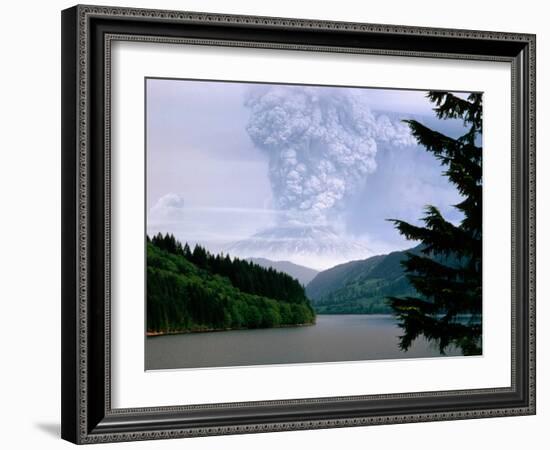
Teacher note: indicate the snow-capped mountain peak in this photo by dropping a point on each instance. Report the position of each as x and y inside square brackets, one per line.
[316, 246]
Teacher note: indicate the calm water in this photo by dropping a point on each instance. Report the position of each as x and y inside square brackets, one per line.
[333, 338]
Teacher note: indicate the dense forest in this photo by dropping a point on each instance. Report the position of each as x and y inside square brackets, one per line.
[194, 290]
[360, 287]
[363, 286]
[363, 297]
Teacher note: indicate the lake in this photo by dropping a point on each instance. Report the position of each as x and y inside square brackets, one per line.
[333, 338]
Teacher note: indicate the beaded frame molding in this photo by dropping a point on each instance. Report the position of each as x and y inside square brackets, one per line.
[87, 35]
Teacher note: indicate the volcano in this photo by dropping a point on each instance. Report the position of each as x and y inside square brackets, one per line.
[314, 246]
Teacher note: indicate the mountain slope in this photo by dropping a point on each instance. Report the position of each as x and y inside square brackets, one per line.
[361, 287]
[184, 297]
[303, 274]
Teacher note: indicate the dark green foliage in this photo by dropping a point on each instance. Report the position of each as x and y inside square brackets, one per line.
[244, 275]
[447, 272]
[361, 287]
[183, 296]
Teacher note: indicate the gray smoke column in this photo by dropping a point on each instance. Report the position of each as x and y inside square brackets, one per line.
[321, 143]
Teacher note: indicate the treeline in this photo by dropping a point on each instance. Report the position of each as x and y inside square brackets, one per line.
[244, 275]
[188, 294]
[363, 297]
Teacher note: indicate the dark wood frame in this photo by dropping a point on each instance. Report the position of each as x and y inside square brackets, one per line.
[87, 32]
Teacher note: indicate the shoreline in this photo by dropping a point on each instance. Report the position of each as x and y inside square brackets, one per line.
[211, 330]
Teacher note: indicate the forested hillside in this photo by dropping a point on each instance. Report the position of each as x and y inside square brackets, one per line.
[197, 291]
[361, 287]
[364, 286]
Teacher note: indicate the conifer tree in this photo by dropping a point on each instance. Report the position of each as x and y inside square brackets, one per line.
[447, 272]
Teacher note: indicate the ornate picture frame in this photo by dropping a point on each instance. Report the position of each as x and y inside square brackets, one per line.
[88, 33]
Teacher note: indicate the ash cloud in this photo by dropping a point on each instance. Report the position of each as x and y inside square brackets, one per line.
[321, 143]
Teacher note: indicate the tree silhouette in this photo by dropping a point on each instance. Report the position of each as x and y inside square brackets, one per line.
[447, 273]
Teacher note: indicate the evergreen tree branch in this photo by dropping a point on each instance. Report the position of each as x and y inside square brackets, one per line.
[448, 272]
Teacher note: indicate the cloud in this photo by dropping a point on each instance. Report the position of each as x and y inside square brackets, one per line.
[321, 143]
[212, 226]
[169, 206]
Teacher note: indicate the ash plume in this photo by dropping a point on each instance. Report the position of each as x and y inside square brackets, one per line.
[321, 143]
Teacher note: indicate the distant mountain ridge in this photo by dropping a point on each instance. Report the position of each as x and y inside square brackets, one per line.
[314, 246]
[361, 287]
[302, 273]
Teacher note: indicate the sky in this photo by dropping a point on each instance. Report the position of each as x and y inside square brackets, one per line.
[229, 160]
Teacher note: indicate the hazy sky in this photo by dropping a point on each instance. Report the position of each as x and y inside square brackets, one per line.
[226, 160]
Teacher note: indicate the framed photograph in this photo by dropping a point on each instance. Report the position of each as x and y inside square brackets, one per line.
[279, 224]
